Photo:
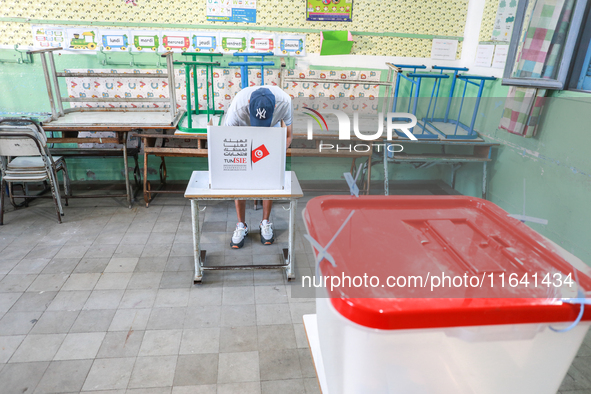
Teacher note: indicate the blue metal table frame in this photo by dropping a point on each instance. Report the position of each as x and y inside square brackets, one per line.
[245, 64]
[481, 153]
[414, 78]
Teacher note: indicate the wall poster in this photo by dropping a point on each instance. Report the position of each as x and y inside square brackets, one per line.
[48, 36]
[329, 10]
[504, 21]
[244, 11]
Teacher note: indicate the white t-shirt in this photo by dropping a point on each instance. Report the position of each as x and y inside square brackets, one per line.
[239, 112]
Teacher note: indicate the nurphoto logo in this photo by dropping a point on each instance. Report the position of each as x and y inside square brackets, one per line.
[402, 121]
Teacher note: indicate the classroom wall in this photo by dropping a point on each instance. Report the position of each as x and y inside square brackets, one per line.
[381, 28]
[383, 31]
[555, 163]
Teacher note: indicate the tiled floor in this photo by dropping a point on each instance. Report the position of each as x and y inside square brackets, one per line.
[105, 303]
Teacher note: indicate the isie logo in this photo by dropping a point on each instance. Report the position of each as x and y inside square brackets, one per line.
[256, 155]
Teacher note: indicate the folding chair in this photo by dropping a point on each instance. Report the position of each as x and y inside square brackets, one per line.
[24, 158]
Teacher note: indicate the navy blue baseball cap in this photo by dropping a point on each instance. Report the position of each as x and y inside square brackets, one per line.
[262, 106]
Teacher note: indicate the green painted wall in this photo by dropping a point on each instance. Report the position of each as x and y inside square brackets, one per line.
[555, 164]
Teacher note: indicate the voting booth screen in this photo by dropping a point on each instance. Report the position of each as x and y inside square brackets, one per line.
[246, 158]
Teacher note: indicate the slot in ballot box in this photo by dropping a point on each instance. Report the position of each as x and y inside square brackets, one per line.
[246, 158]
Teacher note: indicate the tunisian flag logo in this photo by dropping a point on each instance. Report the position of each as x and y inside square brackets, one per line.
[259, 153]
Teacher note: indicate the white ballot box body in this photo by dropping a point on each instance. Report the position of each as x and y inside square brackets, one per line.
[493, 359]
[246, 158]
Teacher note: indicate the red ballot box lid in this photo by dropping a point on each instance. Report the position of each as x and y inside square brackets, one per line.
[500, 271]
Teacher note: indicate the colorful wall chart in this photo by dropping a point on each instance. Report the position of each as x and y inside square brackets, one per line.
[443, 18]
[292, 45]
[145, 40]
[82, 39]
[244, 11]
[504, 20]
[262, 43]
[329, 10]
[205, 41]
[114, 40]
[48, 36]
[176, 41]
[233, 42]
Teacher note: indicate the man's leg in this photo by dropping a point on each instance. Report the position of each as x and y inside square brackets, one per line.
[241, 210]
[241, 229]
[267, 205]
[267, 237]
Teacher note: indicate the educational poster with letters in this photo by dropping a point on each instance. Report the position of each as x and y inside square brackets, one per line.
[145, 40]
[344, 95]
[227, 85]
[329, 10]
[233, 42]
[262, 42]
[176, 41]
[244, 11]
[119, 87]
[82, 39]
[504, 20]
[114, 40]
[246, 157]
[292, 45]
[48, 36]
[204, 41]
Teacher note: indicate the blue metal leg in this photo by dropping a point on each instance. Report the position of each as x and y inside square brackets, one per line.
[460, 111]
[480, 88]
[451, 95]
[431, 99]
[396, 92]
[438, 82]
[244, 76]
[414, 109]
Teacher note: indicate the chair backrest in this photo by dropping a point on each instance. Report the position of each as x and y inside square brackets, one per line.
[22, 140]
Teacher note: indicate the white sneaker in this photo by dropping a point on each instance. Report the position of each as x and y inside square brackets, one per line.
[267, 237]
[239, 235]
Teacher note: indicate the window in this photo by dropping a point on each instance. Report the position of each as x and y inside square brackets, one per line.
[580, 76]
[540, 55]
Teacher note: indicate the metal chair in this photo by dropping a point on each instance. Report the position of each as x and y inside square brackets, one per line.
[25, 158]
